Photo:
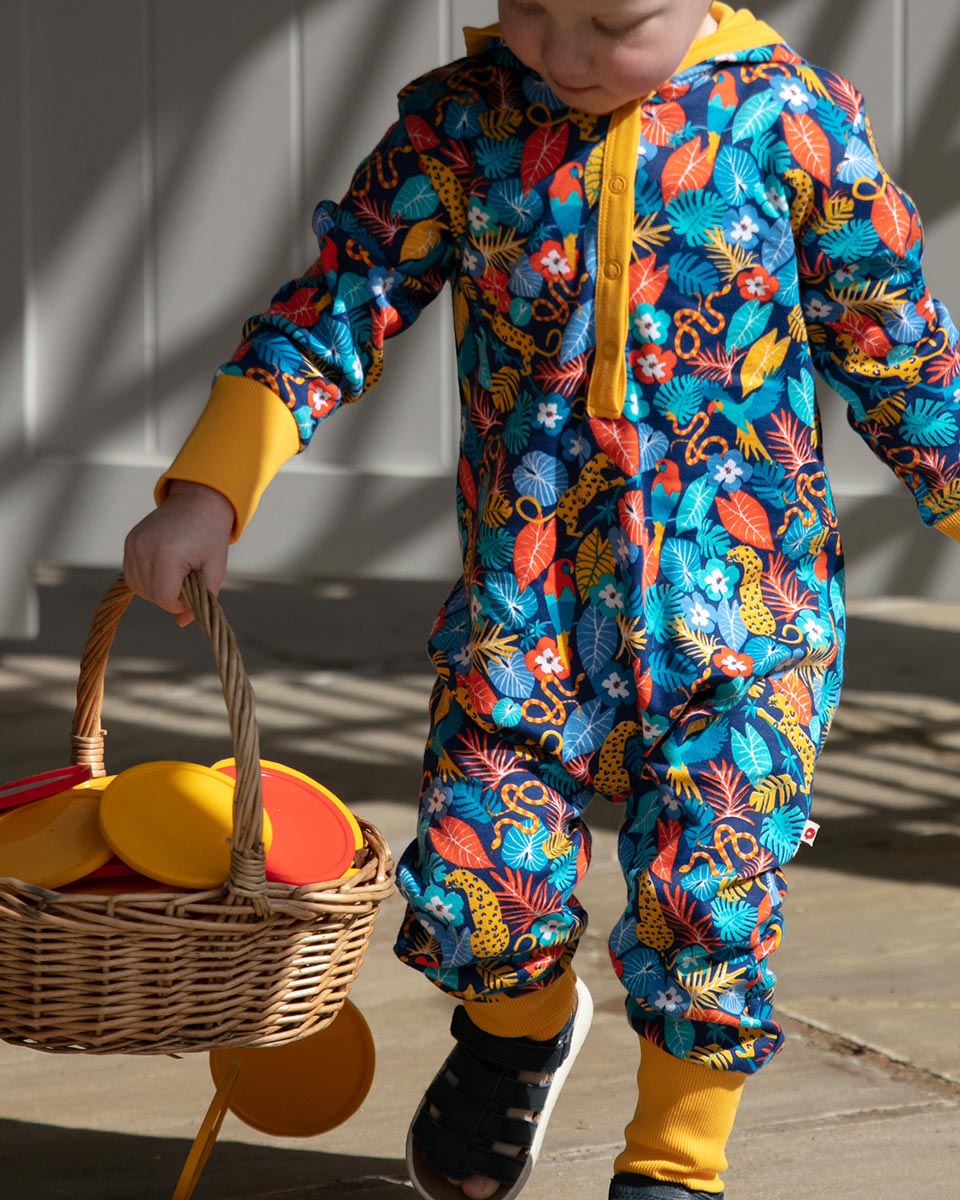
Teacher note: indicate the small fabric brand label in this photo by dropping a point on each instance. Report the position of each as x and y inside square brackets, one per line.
[810, 831]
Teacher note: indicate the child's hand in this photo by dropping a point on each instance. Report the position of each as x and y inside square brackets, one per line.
[190, 531]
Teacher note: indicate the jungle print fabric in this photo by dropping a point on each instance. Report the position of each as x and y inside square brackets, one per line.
[651, 607]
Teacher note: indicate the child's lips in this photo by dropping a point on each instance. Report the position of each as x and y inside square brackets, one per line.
[571, 90]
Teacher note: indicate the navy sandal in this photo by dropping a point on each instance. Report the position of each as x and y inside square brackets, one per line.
[642, 1187]
[472, 1092]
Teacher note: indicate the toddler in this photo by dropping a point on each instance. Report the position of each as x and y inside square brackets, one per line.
[656, 219]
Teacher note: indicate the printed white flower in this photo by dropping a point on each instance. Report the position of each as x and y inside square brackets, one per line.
[440, 910]
[547, 414]
[616, 686]
[649, 328]
[463, 656]
[610, 596]
[436, 801]
[818, 310]
[776, 199]
[756, 285]
[698, 616]
[470, 260]
[554, 262]
[670, 1001]
[549, 662]
[744, 230]
[478, 219]
[651, 366]
[793, 94]
[728, 471]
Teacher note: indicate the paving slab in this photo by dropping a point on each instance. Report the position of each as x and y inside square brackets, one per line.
[863, 1103]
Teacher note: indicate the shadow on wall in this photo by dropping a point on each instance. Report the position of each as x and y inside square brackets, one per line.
[110, 403]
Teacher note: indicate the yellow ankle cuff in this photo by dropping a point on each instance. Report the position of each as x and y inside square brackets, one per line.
[685, 1114]
[539, 1015]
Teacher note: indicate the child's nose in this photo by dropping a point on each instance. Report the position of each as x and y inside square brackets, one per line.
[565, 60]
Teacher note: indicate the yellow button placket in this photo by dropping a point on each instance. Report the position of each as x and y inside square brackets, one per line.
[608, 383]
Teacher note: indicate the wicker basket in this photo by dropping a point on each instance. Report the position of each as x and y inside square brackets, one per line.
[248, 964]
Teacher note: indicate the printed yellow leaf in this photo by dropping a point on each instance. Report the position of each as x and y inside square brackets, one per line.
[500, 125]
[594, 560]
[461, 315]
[593, 174]
[505, 387]
[422, 238]
[765, 358]
[772, 792]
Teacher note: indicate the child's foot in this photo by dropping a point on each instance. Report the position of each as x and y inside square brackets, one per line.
[642, 1187]
[479, 1128]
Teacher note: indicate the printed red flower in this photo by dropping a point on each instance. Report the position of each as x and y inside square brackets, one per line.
[552, 262]
[322, 397]
[652, 364]
[758, 284]
[547, 661]
[733, 663]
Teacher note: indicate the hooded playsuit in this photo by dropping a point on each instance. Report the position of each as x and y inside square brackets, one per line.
[651, 605]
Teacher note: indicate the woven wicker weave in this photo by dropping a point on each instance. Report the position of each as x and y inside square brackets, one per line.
[249, 964]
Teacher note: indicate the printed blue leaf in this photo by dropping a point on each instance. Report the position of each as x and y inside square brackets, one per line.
[929, 423]
[624, 936]
[756, 115]
[748, 324]
[856, 240]
[540, 476]
[679, 1035]
[778, 246]
[661, 607]
[858, 162]
[751, 754]
[696, 503]
[736, 175]
[694, 213]
[642, 972]
[680, 560]
[526, 281]
[781, 832]
[587, 729]
[730, 624]
[353, 291]
[416, 199]
[597, 637]
[671, 671]
[803, 397]
[693, 274]
[512, 678]
[682, 398]
[734, 920]
[767, 654]
[499, 160]
[510, 204]
[580, 333]
[713, 540]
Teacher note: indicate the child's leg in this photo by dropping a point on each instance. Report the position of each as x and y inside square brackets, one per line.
[721, 805]
[492, 918]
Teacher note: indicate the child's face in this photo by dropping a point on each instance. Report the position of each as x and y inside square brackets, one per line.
[597, 55]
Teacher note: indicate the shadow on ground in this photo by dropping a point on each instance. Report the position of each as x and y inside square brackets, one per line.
[85, 1164]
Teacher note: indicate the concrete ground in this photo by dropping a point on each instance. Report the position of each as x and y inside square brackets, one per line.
[863, 1103]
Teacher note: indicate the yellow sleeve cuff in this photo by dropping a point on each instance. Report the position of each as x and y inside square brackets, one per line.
[950, 526]
[243, 437]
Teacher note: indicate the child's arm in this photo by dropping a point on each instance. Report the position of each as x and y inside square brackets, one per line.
[876, 334]
[386, 251]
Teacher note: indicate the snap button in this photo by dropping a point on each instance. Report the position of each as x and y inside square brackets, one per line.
[617, 184]
[613, 270]
[610, 350]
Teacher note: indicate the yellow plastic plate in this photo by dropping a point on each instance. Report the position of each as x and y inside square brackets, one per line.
[173, 821]
[54, 841]
[302, 1088]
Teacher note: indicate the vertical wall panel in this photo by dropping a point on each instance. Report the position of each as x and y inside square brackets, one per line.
[226, 185]
[166, 157]
[85, 120]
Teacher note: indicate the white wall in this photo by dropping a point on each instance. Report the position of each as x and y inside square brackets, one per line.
[160, 162]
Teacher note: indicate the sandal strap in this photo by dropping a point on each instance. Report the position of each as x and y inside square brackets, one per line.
[627, 1186]
[472, 1111]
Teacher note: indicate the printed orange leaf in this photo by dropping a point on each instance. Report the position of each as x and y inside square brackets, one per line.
[456, 841]
[662, 121]
[467, 485]
[891, 220]
[809, 145]
[744, 517]
[647, 281]
[620, 442]
[420, 134]
[542, 154]
[422, 238]
[534, 550]
[686, 169]
[797, 692]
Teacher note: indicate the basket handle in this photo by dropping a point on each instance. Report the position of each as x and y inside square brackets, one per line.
[247, 872]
